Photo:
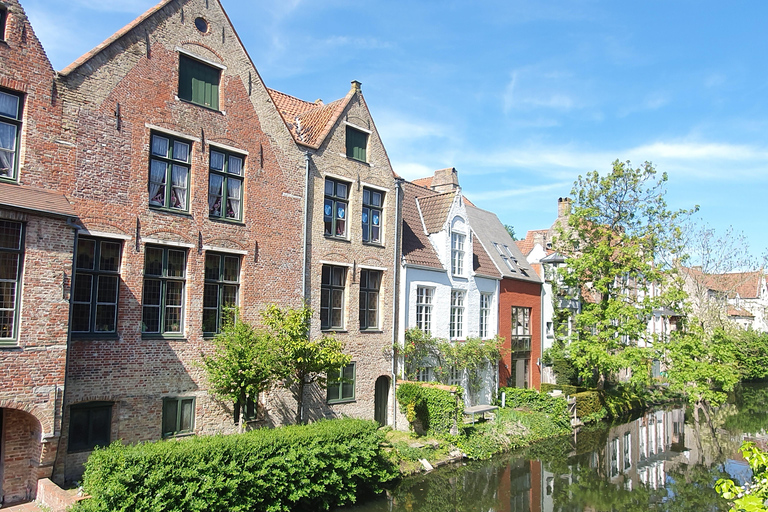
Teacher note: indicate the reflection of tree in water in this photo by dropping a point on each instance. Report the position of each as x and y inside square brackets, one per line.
[752, 414]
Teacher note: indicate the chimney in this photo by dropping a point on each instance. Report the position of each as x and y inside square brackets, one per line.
[357, 86]
[563, 207]
[445, 180]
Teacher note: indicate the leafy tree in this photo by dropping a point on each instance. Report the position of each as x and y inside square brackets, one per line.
[752, 354]
[511, 230]
[752, 496]
[617, 241]
[244, 363]
[304, 361]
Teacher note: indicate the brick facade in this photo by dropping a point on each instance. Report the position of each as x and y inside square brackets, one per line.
[520, 294]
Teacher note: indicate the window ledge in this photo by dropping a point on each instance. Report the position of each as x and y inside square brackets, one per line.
[338, 238]
[331, 329]
[162, 209]
[178, 436]
[87, 336]
[10, 346]
[233, 222]
[374, 244]
[188, 102]
[356, 160]
[371, 331]
[342, 401]
[161, 337]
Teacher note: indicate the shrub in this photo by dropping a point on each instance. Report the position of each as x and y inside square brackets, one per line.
[437, 407]
[565, 388]
[588, 403]
[620, 402]
[308, 467]
[556, 407]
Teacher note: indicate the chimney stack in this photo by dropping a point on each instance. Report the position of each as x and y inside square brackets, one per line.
[563, 207]
[445, 180]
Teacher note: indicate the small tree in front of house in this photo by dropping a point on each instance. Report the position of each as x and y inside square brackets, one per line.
[244, 363]
[304, 361]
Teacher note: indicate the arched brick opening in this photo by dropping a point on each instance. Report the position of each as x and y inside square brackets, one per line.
[24, 455]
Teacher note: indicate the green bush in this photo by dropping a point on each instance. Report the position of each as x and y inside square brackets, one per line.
[588, 403]
[531, 399]
[620, 402]
[307, 467]
[565, 388]
[437, 407]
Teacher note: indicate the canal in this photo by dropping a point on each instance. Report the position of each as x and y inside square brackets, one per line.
[661, 460]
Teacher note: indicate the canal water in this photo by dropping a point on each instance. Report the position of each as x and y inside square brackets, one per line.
[662, 460]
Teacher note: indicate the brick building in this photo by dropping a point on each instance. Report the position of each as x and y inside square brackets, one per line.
[351, 258]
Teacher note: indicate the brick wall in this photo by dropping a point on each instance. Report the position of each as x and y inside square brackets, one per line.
[515, 293]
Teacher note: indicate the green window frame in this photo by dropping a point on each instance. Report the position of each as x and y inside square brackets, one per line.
[199, 82]
[370, 283]
[169, 169]
[457, 314]
[225, 185]
[341, 384]
[163, 291]
[249, 411]
[90, 425]
[11, 262]
[3, 21]
[332, 290]
[357, 144]
[521, 329]
[371, 215]
[335, 208]
[11, 106]
[178, 416]
[221, 290]
[96, 286]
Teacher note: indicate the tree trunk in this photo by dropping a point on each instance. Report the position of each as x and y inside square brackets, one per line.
[300, 401]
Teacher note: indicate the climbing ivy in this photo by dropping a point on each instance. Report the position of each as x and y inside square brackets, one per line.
[438, 408]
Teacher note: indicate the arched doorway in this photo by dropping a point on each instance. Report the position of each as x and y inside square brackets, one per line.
[20, 452]
[381, 405]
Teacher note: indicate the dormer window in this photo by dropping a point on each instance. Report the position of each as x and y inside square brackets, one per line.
[199, 82]
[457, 253]
[357, 143]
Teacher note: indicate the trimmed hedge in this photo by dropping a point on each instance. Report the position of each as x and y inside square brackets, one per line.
[556, 407]
[588, 403]
[565, 388]
[305, 467]
[437, 407]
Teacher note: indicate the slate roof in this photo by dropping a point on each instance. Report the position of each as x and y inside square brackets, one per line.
[309, 123]
[417, 249]
[746, 284]
[434, 209]
[36, 200]
[491, 233]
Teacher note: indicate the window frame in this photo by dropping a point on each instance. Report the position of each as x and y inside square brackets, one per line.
[456, 327]
[3, 21]
[97, 273]
[356, 141]
[486, 303]
[368, 215]
[221, 283]
[425, 296]
[90, 443]
[337, 380]
[163, 305]
[458, 251]
[226, 176]
[520, 329]
[12, 313]
[15, 122]
[368, 294]
[171, 164]
[178, 430]
[191, 70]
[328, 288]
[332, 215]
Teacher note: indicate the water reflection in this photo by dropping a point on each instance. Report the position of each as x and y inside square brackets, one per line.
[656, 461]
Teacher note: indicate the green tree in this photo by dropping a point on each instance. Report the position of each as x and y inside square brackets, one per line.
[304, 361]
[617, 240]
[752, 496]
[511, 230]
[244, 363]
[752, 354]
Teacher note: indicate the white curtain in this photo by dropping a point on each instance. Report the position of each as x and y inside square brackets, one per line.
[235, 165]
[179, 190]
[234, 190]
[9, 105]
[217, 161]
[180, 151]
[157, 182]
[214, 194]
[159, 146]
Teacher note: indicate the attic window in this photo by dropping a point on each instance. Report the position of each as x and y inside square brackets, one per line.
[357, 142]
[201, 25]
[199, 82]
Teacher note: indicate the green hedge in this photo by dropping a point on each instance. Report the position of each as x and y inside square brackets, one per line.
[309, 467]
[588, 403]
[437, 407]
[565, 388]
[556, 407]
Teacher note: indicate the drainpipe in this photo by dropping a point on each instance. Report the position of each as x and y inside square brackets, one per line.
[304, 292]
[396, 292]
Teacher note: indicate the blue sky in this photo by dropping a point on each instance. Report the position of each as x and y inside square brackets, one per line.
[520, 96]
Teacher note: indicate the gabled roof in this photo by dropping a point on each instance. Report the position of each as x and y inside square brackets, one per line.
[740, 312]
[434, 210]
[417, 249]
[482, 264]
[35, 200]
[309, 123]
[746, 284]
[494, 237]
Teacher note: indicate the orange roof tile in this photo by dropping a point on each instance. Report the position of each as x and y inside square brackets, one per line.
[434, 210]
[309, 123]
[746, 284]
[423, 182]
[36, 200]
[417, 249]
[482, 263]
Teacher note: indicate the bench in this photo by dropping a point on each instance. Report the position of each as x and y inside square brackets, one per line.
[479, 409]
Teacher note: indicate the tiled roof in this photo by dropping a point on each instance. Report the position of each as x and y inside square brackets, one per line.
[309, 123]
[434, 210]
[746, 284]
[482, 263]
[36, 200]
[740, 312]
[525, 246]
[417, 249]
[423, 182]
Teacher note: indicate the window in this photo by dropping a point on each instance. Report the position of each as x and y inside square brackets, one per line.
[332, 297]
[457, 314]
[198, 82]
[485, 314]
[222, 283]
[163, 296]
[455, 376]
[97, 278]
[372, 201]
[89, 425]
[335, 208]
[503, 251]
[357, 142]
[521, 330]
[370, 281]
[10, 127]
[178, 416]
[424, 308]
[169, 163]
[11, 258]
[627, 446]
[424, 374]
[341, 385]
[225, 186]
[457, 254]
[3, 20]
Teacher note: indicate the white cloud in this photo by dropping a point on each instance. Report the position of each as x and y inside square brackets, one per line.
[412, 170]
[532, 88]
